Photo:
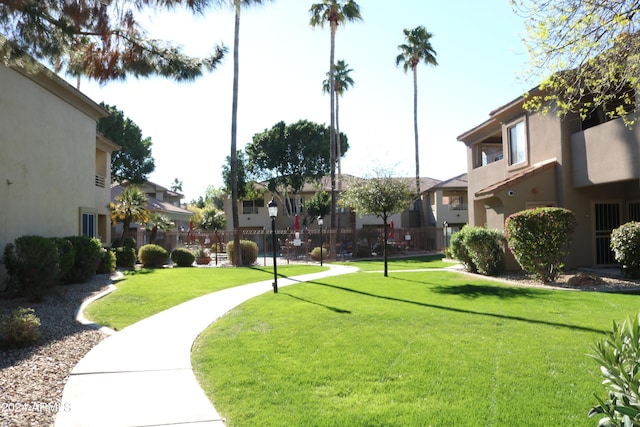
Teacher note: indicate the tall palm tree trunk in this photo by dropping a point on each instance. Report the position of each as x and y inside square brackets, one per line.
[338, 154]
[332, 138]
[423, 221]
[234, 154]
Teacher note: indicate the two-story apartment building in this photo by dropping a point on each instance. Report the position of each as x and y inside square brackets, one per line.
[518, 160]
[55, 168]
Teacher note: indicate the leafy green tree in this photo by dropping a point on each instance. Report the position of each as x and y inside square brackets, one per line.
[416, 48]
[130, 207]
[381, 196]
[587, 54]
[318, 205]
[214, 196]
[96, 38]
[335, 12]
[233, 163]
[212, 218]
[133, 162]
[342, 82]
[289, 156]
[243, 183]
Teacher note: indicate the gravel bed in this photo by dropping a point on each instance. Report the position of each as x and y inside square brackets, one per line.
[32, 378]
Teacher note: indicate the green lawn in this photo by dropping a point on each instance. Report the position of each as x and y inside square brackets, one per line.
[144, 293]
[406, 263]
[414, 349]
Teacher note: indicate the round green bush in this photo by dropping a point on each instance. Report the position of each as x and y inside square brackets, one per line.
[315, 253]
[540, 240]
[485, 248]
[248, 252]
[88, 252]
[182, 257]
[460, 251]
[19, 328]
[152, 255]
[625, 244]
[130, 242]
[32, 266]
[66, 256]
[108, 262]
[125, 257]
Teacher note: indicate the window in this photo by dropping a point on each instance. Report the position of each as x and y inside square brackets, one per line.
[251, 206]
[517, 138]
[88, 224]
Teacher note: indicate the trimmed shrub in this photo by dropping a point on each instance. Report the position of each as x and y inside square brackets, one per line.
[130, 242]
[125, 257]
[460, 251]
[107, 263]
[182, 257]
[248, 252]
[485, 248]
[66, 256]
[315, 253]
[619, 357]
[152, 255]
[88, 252]
[625, 244]
[19, 328]
[32, 266]
[540, 240]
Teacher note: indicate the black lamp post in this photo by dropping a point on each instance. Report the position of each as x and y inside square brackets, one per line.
[320, 223]
[273, 213]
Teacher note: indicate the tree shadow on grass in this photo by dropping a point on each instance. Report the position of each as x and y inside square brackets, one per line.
[469, 290]
[335, 309]
[471, 312]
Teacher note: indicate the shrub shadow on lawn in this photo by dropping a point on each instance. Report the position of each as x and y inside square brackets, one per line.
[469, 290]
[471, 312]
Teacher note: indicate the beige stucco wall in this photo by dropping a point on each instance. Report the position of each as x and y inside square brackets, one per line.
[47, 156]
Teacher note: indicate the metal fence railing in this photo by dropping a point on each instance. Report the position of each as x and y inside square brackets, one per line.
[341, 245]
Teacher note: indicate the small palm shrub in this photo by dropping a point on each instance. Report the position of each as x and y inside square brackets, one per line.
[19, 328]
[248, 252]
[88, 253]
[460, 251]
[619, 357]
[315, 253]
[152, 255]
[485, 248]
[108, 262]
[66, 256]
[125, 257]
[625, 244]
[182, 257]
[540, 240]
[32, 266]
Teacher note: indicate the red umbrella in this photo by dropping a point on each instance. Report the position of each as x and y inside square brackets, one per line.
[296, 223]
[391, 233]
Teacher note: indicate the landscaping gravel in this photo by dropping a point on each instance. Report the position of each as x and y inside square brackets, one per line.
[32, 379]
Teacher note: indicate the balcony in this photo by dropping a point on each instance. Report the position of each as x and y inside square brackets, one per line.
[605, 153]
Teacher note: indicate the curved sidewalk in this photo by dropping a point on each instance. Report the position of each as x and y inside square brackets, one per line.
[142, 375]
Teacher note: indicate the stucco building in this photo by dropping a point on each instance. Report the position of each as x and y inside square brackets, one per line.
[518, 160]
[55, 169]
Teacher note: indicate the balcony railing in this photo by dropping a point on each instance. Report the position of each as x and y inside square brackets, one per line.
[100, 181]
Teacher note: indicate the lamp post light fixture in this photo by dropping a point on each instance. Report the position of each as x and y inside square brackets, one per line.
[321, 223]
[273, 213]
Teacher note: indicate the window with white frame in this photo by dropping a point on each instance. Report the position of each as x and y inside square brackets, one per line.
[88, 224]
[517, 138]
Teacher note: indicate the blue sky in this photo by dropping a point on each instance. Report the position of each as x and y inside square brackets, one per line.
[283, 62]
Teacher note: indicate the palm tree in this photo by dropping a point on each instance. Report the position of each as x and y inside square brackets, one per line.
[342, 82]
[235, 215]
[130, 206]
[334, 12]
[416, 48]
[158, 222]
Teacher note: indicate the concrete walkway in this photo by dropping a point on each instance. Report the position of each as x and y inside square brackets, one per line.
[142, 375]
